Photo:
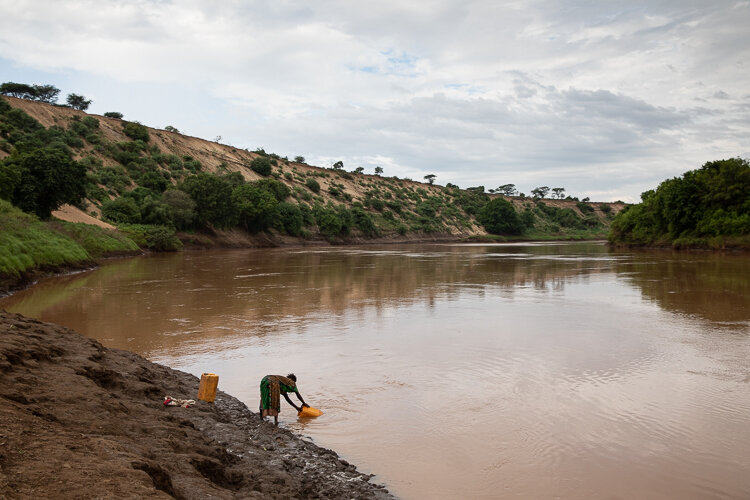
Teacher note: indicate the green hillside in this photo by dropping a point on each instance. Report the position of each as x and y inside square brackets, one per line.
[125, 173]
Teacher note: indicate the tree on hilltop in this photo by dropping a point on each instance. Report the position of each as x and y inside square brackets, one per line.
[430, 178]
[507, 189]
[46, 93]
[78, 102]
[19, 90]
[41, 93]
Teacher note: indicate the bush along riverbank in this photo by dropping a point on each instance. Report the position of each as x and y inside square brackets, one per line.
[83, 421]
[706, 208]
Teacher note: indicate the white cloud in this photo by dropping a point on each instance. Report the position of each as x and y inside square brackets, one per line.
[601, 97]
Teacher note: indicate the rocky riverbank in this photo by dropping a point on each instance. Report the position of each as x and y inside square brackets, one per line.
[78, 420]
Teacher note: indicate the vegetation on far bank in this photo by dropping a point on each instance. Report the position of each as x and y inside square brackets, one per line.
[28, 244]
[704, 208]
[134, 180]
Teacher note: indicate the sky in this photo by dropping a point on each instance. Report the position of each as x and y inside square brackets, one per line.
[604, 98]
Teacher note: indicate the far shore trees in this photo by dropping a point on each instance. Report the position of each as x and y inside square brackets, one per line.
[499, 217]
[702, 206]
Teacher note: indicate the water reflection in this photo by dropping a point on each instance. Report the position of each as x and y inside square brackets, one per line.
[470, 371]
[712, 286]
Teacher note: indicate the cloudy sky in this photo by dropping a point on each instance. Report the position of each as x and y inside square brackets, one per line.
[604, 98]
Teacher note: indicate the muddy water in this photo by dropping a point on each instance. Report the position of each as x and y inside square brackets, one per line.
[454, 371]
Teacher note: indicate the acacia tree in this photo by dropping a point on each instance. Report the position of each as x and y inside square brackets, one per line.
[430, 178]
[42, 93]
[378, 170]
[540, 192]
[339, 165]
[507, 189]
[559, 192]
[78, 102]
[46, 93]
[19, 90]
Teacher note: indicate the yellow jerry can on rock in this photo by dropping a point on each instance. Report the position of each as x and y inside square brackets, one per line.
[207, 389]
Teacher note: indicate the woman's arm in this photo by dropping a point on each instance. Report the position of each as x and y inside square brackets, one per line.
[286, 396]
[299, 396]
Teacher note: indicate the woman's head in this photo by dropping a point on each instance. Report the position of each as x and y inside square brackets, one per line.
[292, 376]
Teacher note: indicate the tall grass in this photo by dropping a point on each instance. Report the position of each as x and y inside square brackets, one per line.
[97, 241]
[27, 244]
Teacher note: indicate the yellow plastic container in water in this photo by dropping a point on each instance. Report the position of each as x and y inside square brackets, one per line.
[309, 412]
[207, 389]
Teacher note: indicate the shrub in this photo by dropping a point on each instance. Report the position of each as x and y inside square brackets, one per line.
[157, 238]
[121, 210]
[585, 208]
[90, 122]
[113, 114]
[279, 190]
[312, 185]
[254, 206]
[290, 218]
[136, 131]
[181, 206]
[499, 217]
[261, 165]
[363, 221]
[213, 199]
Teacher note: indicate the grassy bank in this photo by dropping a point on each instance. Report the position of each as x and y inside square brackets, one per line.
[29, 246]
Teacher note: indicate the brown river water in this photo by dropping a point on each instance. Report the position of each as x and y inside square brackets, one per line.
[460, 371]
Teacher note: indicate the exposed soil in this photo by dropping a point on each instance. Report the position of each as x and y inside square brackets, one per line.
[78, 420]
[72, 214]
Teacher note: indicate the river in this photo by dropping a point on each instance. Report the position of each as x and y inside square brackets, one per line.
[556, 370]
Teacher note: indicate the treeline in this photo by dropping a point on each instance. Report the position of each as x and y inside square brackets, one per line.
[707, 207]
[43, 93]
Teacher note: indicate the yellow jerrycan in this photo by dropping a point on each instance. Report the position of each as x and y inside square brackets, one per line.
[207, 389]
[309, 412]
